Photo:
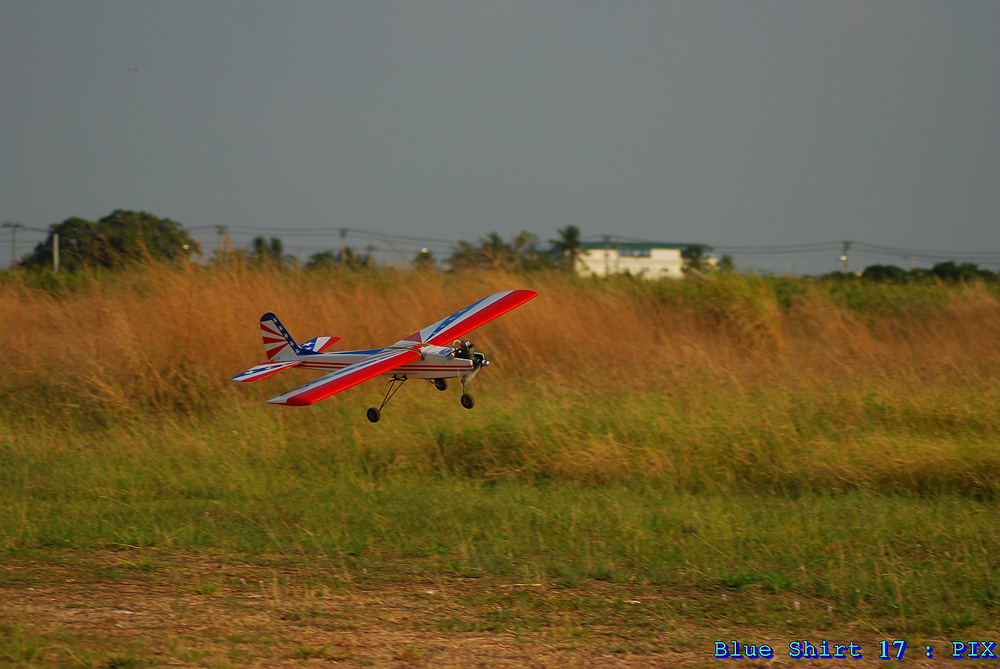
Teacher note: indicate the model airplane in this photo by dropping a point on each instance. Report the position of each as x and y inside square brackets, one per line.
[435, 353]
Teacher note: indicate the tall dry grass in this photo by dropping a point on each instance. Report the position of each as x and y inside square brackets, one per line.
[169, 338]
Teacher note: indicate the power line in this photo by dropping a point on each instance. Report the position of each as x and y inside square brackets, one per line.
[335, 231]
[775, 251]
[877, 249]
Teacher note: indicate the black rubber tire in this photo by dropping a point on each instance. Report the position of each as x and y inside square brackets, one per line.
[468, 401]
[440, 384]
[374, 415]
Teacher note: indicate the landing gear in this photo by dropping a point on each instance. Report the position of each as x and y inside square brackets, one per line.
[375, 414]
[467, 400]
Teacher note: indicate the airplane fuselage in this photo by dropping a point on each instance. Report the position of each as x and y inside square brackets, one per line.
[436, 362]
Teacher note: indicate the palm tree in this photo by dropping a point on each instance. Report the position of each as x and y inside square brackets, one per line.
[568, 245]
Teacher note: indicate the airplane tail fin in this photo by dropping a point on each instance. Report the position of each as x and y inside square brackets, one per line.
[279, 345]
[282, 351]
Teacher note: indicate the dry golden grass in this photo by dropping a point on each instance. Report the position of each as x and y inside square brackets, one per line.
[172, 336]
[724, 384]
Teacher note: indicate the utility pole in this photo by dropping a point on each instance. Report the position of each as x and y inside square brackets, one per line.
[225, 241]
[343, 244]
[13, 231]
[55, 251]
[845, 256]
[371, 250]
[607, 255]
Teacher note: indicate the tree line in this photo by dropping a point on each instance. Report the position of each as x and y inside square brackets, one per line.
[948, 271]
[124, 237]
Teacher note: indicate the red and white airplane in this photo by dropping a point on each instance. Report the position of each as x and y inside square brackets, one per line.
[435, 353]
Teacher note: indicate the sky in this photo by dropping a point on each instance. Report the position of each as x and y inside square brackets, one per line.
[742, 125]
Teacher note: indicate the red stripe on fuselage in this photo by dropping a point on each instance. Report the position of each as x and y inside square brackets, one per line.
[412, 368]
[322, 388]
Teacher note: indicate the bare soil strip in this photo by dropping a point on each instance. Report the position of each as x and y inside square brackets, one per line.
[120, 609]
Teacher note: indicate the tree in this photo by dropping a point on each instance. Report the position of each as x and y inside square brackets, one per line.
[694, 257]
[424, 260]
[884, 273]
[321, 260]
[495, 252]
[522, 253]
[567, 247]
[528, 254]
[117, 239]
[267, 252]
[465, 255]
[967, 271]
[327, 259]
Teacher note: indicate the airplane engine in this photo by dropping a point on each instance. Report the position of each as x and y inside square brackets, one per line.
[464, 349]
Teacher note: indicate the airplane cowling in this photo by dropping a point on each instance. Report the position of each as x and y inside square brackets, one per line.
[438, 352]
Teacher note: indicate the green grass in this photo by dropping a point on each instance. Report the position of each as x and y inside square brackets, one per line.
[916, 550]
[708, 438]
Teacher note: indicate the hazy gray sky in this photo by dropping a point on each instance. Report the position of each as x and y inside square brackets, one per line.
[727, 123]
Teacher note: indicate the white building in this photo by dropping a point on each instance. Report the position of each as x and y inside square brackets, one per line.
[646, 260]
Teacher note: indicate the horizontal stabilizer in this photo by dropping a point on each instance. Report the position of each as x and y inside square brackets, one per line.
[265, 370]
[317, 344]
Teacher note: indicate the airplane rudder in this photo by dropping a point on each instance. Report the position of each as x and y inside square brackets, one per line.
[277, 342]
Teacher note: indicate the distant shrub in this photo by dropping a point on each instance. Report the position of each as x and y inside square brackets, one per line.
[884, 273]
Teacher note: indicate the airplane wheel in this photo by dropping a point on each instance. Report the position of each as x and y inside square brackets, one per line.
[374, 415]
[440, 384]
[467, 401]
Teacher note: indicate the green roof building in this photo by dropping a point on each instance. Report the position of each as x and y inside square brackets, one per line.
[649, 260]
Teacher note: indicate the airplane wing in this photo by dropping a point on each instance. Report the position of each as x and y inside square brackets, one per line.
[265, 370]
[447, 330]
[384, 361]
[407, 350]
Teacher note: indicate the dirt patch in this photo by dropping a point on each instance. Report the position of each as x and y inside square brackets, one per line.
[134, 609]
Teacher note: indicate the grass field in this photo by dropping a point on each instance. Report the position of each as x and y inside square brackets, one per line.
[650, 467]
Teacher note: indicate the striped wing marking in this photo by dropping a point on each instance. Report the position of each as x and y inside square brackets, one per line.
[447, 330]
